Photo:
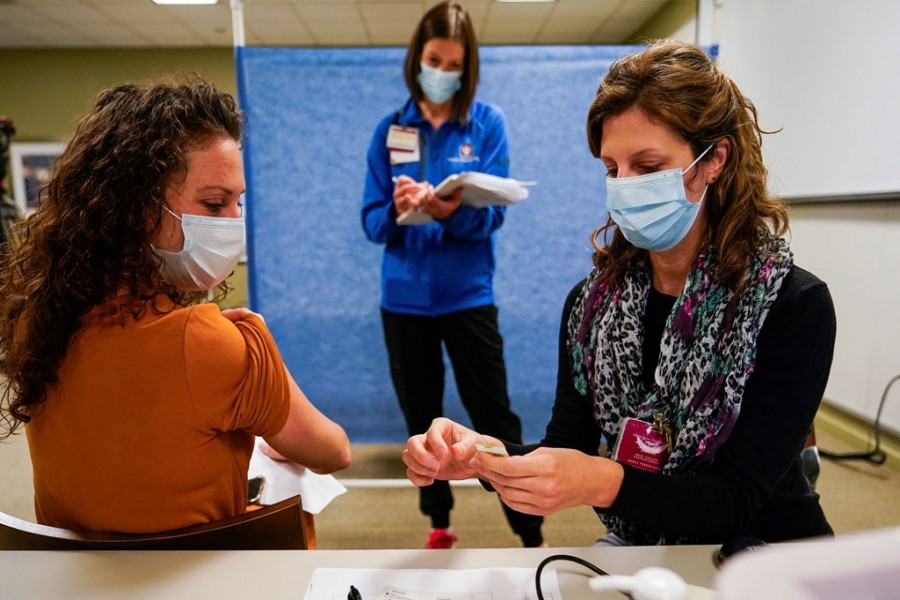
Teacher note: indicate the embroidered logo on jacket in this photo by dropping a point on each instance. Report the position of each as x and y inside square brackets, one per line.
[466, 154]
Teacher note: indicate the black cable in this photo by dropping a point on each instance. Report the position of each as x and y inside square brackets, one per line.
[876, 456]
[569, 557]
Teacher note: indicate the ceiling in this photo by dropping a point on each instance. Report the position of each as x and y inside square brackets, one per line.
[141, 23]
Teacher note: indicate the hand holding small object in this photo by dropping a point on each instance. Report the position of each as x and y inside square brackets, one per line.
[409, 194]
[403, 187]
[443, 452]
[549, 480]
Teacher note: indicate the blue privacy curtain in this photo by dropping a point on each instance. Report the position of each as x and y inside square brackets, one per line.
[315, 277]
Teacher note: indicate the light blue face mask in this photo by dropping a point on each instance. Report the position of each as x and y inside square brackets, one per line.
[439, 86]
[652, 211]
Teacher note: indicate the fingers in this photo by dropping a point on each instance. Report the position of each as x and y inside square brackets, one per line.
[416, 472]
[271, 452]
[503, 468]
[409, 194]
[403, 187]
[442, 208]
[523, 494]
[406, 186]
[441, 432]
[418, 198]
[526, 506]
[417, 479]
[419, 458]
[239, 314]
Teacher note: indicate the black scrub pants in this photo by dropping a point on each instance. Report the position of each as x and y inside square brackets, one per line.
[475, 347]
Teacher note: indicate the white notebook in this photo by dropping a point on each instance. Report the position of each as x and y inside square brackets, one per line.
[479, 190]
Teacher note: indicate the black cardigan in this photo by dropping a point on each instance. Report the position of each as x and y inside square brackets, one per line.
[755, 485]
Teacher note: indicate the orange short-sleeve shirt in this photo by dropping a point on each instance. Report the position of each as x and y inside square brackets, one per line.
[150, 426]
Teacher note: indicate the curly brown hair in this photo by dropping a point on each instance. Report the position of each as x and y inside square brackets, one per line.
[679, 85]
[89, 241]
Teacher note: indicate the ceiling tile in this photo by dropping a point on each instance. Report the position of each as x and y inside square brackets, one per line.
[514, 23]
[574, 21]
[390, 23]
[32, 3]
[15, 13]
[276, 24]
[280, 18]
[60, 23]
[139, 14]
[341, 36]
[333, 24]
[70, 13]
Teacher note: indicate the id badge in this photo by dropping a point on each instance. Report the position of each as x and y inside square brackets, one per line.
[403, 144]
[642, 445]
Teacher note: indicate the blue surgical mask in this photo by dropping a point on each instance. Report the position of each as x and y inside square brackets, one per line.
[439, 86]
[652, 211]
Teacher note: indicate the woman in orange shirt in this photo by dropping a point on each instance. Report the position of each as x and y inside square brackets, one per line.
[141, 402]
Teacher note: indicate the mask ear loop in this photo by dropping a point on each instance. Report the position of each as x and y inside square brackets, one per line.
[696, 160]
[691, 166]
[169, 210]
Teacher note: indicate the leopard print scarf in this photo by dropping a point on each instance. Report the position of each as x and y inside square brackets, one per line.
[707, 353]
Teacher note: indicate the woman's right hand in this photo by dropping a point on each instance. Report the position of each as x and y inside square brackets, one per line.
[443, 452]
[408, 194]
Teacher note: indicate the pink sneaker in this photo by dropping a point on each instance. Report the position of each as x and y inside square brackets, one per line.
[440, 539]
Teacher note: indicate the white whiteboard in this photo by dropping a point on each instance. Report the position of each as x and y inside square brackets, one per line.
[828, 73]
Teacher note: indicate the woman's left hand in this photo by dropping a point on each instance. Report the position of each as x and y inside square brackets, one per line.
[441, 208]
[549, 480]
[271, 452]
[239, 314]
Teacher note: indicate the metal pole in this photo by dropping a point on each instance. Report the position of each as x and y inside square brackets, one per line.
[237, 23]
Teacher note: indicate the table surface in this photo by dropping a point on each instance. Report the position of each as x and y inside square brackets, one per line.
[277, 574]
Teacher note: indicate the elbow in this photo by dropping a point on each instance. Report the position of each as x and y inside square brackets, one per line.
[339, 459]
[343, 458]
[376, 235]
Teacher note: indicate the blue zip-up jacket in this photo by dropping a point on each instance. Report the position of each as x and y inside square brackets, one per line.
[444, 266]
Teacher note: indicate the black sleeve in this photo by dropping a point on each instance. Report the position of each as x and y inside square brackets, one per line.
[794, 353]
[572, 424]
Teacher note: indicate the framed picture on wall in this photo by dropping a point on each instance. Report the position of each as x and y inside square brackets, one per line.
[31, 165]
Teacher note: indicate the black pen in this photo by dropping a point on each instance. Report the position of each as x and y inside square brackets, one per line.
[354, 594]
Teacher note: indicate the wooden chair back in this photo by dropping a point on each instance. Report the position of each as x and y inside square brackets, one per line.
[279, 526]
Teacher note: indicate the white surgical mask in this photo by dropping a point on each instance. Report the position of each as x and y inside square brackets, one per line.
[652, 211]
[439, 86]
[212, 248]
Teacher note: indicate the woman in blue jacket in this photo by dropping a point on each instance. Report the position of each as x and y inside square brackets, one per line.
[437, 274]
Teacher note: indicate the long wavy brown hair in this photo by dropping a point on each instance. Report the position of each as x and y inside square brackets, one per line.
[679, 85]
[89, 241]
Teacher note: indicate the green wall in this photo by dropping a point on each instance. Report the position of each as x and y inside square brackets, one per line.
[669, 19]
[46, 91]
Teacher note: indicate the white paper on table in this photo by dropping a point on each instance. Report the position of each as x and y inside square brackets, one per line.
[478, 584]
[286, 479]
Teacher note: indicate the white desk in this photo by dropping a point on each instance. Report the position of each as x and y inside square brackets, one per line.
[275, 575]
